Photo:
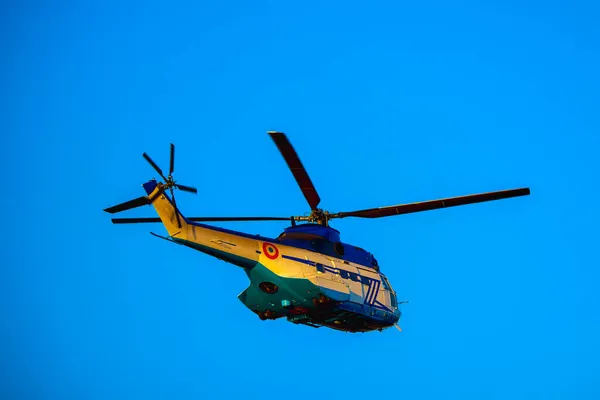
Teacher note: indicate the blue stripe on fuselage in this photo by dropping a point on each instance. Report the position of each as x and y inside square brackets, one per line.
[368, 294]
[301, 260]
[325, 268]
[370, 298]
[375, 292]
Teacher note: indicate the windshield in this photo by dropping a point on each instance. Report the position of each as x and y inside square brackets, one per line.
[385, 282]
[388, 287]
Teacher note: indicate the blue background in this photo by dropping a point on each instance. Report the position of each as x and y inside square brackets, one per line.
[386, 103]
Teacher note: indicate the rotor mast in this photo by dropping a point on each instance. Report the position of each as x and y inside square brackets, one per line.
[317, 216]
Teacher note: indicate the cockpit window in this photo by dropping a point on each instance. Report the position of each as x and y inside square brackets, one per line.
[388, 287]
[386, 284]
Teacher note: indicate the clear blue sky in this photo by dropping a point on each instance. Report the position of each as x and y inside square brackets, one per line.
[386, 103]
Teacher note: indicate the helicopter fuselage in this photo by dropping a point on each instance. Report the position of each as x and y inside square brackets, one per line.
[305, 275]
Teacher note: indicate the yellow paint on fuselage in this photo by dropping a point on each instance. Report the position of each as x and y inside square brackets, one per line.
[252, 249]
[203, 236]
[238, 245]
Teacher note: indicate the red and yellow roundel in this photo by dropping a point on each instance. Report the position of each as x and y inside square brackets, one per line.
[270, 250]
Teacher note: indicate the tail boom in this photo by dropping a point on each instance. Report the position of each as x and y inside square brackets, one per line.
[234, 247]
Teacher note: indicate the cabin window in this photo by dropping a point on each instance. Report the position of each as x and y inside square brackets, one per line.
[365, 280]
[318, 244]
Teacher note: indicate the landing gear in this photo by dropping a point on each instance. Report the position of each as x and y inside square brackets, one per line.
[267, 314]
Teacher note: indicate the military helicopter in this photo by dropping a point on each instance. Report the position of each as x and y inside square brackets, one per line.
[306, 274]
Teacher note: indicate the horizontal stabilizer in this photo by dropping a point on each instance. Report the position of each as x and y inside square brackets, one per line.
[140, 201]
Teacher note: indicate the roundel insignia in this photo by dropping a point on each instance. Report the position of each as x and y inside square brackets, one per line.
[270, 250]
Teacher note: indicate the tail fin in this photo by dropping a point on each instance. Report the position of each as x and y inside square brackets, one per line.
[169, 214]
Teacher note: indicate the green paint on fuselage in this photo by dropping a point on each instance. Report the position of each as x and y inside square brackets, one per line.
[299, 292]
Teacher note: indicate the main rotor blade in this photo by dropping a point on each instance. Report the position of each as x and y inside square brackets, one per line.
[295, 165]
[186, 188]
[147, 157]
[172, 164]
[140, 201]
[198, 219]
[433, 204]
[176, 209]
[233, 219]
[133, 220]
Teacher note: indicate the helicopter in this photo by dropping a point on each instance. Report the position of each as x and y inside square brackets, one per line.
[306, 274]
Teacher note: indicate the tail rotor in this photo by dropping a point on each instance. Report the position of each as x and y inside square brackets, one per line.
[168, 183]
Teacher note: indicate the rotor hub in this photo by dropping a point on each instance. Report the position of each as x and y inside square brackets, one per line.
[170, 182]
[319, 216]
